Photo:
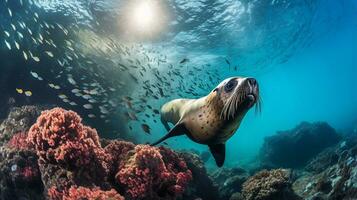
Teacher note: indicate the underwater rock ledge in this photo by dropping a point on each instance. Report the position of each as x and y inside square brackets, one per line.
[294, 148]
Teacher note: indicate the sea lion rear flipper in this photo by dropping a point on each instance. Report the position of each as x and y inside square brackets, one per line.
[219, 153]
[178, 129]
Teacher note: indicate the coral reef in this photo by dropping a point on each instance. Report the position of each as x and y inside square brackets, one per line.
[153, 173]
[79, 193]
[269, 185]
[60, 158]
[230, 181]
[19, 141]
[202, 186]
[62, 143]
[72, 163]
[294, 148]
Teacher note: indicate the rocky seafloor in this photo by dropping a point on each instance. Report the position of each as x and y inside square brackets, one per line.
[53, 155]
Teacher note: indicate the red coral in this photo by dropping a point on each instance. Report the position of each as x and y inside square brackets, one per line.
[70, 156]
[118, 150]
[19, 141]
[92, 194]
[153, 173]
[83, 193]
[54, 194]
[61, 139]
[30, 173]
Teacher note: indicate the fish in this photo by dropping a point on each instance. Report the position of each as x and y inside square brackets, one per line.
[185, 60]
[8, 45]
[88, 106]
[19, 90]
[25, 55]
[227, 61]
[34, 74]
[146, 128]
[50, 54]
[91, 115]
[62, 96]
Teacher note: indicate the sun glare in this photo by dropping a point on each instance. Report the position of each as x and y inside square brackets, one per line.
[145, 18]
[144, 15]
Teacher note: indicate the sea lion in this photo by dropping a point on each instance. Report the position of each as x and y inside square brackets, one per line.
[214, 118]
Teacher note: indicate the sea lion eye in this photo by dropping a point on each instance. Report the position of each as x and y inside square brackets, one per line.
[230, 85]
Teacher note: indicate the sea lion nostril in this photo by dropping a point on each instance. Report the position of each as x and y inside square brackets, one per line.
[252, 81]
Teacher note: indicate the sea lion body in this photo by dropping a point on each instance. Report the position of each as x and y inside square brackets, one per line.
[202, 119]
[214, 118]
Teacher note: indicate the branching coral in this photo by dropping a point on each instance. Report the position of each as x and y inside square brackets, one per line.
[153, 173]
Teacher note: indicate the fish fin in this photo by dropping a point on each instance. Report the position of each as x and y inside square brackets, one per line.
[178, 129]
[219, 153]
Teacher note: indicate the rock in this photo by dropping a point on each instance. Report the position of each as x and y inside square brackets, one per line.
[294, 148]
[201, 186]
[328, 178]
[19, 119]
[236, 196]
[19, 175]
[230, 181]
[269, 185]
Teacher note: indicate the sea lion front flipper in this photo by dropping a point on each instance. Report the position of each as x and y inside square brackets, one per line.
[178, 129]
[166, 125]
[219, 153]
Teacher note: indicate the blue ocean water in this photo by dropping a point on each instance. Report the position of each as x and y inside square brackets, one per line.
[303, 54]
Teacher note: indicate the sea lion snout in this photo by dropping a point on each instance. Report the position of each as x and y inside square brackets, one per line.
[252, 90]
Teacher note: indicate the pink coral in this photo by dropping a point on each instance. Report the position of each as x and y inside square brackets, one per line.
[19, 142]
[61, 139]
[73, 163]
[83, 193]
[78, 193]
[153, 173]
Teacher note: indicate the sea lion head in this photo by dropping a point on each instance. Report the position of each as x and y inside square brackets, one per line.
[237, 95]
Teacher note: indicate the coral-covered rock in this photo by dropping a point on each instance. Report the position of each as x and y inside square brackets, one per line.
[201, 186]
[230, 181]
[332, 174]
[118, 151]
[294, 148]
[64, 159]
[83, 193]
[153, 173]
[269, 185]
[63, 144]
[19, 174]
[19, 120]
[19, 141]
